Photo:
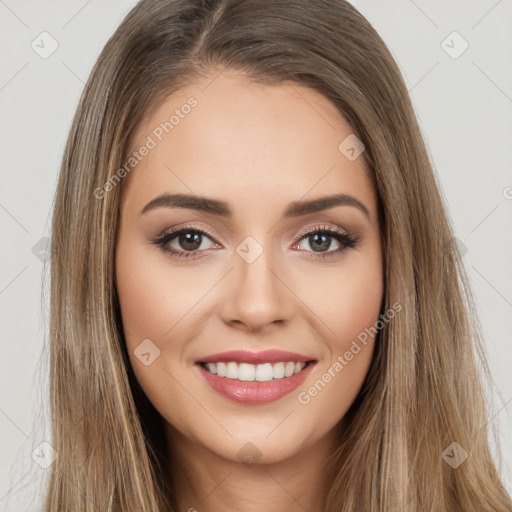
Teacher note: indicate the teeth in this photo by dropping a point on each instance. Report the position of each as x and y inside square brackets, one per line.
[290, 368]
[278, 370]
[212, 368]
[264, 372]
[232, 371]
[221, 369]
[251, 372]
[245, 372]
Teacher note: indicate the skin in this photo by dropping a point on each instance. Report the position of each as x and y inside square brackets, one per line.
[258, 148]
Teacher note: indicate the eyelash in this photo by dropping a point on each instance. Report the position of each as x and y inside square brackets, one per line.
[347, 239]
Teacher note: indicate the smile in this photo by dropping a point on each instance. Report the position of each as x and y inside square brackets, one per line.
[255, 377]
[254, 372]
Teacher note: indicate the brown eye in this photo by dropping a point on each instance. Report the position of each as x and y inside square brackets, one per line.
[190, 241]
[184, 242]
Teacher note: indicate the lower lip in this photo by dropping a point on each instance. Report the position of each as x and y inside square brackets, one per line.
[255, 392]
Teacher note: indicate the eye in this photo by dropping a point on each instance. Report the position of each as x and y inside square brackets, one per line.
[320, 239]
[189, 240]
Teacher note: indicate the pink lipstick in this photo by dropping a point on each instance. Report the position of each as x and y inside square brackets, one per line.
[255, 377]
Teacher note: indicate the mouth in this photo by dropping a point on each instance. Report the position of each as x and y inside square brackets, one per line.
[255, 378]
[248, 372]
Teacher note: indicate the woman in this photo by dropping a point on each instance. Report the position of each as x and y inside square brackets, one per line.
[256, 300]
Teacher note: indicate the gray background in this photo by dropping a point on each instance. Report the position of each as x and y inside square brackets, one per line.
[464, 106]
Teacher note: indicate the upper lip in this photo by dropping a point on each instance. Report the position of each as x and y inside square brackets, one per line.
[248, 356]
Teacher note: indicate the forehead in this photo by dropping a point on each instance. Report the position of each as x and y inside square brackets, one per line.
[235, 139]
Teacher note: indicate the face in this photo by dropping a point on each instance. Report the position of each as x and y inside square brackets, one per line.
[249, 261]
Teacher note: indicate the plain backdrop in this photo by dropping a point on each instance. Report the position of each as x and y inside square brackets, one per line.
[463, 100]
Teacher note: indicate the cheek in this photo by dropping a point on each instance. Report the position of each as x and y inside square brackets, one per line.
[154, 297]
[351, 310]
[347, 300]
[357, 307]
[154, 301]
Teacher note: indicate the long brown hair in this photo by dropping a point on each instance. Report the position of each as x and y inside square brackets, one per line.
[423, 391]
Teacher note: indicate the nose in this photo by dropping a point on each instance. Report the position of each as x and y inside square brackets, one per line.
[256, 294]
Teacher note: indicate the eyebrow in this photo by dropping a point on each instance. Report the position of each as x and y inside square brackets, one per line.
[217, 207]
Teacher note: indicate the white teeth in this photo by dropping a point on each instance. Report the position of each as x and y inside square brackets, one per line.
[278, 370]
[264, 372]
[246, 371]
[290, 368]
[232, 371]
[221, 369]
[251, 372]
